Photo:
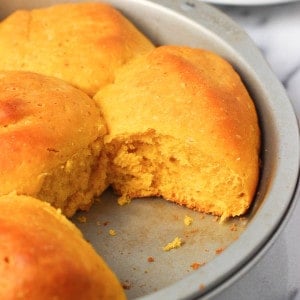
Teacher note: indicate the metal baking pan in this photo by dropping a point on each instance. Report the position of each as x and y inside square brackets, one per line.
[131, 238]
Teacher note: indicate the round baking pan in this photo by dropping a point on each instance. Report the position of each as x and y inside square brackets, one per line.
[213, 255]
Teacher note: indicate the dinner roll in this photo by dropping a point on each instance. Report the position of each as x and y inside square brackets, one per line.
[51, 139]
[81, 43]
[44, 256]
[182, 126]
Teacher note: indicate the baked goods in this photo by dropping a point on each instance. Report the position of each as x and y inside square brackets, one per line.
[51, 139]
[182, 125]
[81, 43]
[44, 256]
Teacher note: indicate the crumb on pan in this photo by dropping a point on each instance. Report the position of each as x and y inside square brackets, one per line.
[188, 220]
[219, 250]
[82, 219]
[112, 232]
[176, 243]
[196, 265]
[123, 200]
[150, 259]
[126, 285]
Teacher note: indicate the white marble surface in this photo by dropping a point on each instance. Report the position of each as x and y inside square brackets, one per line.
[276, 31]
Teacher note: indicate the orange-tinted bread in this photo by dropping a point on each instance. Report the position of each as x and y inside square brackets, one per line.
[51, 139]
[182, 126]
[44, 256]
[82, 43]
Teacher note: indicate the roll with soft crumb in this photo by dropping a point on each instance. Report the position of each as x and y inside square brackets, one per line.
[182, 125]
[81, 43]
[44, 256]
[51, 140]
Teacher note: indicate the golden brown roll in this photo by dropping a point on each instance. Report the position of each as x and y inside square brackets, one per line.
[44, 256]
[82, 43]
[182, 126]
[51, 139]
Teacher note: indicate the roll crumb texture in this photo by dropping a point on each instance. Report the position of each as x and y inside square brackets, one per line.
[182, 125]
